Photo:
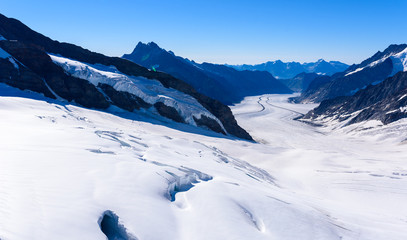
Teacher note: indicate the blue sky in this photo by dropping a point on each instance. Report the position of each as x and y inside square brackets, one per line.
[222, 31]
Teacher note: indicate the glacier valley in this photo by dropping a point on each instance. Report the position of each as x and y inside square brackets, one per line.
[73, 173]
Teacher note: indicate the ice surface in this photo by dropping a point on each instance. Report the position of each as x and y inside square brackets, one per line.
[149, 90]
[63, 167]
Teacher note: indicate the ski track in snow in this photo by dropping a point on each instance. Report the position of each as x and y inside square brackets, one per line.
[73, 173]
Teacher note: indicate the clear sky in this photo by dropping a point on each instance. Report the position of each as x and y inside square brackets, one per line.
[222, 31]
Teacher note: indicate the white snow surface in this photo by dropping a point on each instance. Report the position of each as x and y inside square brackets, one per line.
[151, 91]
[63, 166]
[399, 63]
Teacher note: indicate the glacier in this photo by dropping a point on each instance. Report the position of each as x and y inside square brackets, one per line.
[68, 173]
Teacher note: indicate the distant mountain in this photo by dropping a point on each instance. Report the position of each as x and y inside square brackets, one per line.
[386, 102]
[63, 71]
[371, 71]
[217, 81]
[300, 82]
[287, 70]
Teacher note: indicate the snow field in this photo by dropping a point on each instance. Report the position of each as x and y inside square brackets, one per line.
[63, 167]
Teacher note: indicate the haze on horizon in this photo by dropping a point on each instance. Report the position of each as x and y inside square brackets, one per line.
[233, 32]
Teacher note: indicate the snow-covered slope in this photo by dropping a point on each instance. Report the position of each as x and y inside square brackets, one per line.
[399, 60]
[151, 91]
[69, 173]
[384, 102]
[371, 71]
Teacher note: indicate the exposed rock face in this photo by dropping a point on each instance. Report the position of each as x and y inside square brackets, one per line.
[31, 49]
[22, 78]
[122, 99]
[216, 81]
[356, 77]
[300, 82]
[386, 101]
[168, 112]
[211, 124]
[67, 87]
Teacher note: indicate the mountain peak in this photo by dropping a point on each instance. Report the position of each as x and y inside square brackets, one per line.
[153, 45]
[150, 45]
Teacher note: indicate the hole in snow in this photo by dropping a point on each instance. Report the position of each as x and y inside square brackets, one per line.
[112, 228]
[184, 183]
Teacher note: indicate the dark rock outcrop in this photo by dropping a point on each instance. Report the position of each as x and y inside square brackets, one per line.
[122, 99]
[67, 87]
[209, 123]
[22, 78]
[168, 112]
[386, 101]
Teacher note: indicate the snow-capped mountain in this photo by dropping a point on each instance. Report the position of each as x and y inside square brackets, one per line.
[34, 62]
[217, 81]
[288, 70]
[385, 102]
[371, 71]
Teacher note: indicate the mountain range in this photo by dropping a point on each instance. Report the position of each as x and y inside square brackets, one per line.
[287, 70]
[375, 89]
[385, 102]
[358, 76]
[217, 81]
[31, 61]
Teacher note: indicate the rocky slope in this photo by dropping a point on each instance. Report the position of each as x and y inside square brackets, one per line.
[287, 70]
[371, 71]
[300, 82]
[386, 102]
[26, 63]
[217, 81]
